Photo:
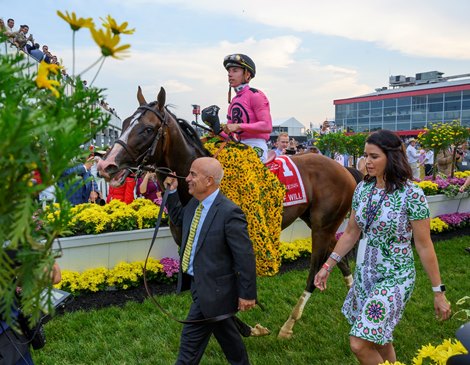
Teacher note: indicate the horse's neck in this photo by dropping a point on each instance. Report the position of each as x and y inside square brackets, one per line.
[178, 155]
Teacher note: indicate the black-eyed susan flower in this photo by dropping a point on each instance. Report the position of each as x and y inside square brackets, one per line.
[111, 24]
[108, 42]
[74, 22]
[258, 192]
[43, 81]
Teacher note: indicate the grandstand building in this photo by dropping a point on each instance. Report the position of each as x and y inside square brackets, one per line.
[408, 105]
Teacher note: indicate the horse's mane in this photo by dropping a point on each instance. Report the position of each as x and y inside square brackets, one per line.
[189, 134]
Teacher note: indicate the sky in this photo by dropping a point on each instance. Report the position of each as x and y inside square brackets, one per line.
[307, 52]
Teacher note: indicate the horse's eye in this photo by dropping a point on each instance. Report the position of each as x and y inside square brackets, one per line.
[148, 130]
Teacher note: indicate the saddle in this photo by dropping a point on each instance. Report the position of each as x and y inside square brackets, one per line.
[271, 157]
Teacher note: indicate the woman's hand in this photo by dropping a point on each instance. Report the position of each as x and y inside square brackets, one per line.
[441, 306]
[321, 278]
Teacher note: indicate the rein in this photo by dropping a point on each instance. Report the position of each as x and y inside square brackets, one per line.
[141, 161]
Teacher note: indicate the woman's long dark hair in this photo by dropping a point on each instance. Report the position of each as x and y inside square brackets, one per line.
[397, 170]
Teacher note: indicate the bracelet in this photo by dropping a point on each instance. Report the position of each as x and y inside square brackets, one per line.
[335, 256]
[326, 267]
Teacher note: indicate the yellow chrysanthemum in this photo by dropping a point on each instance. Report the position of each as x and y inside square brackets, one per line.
[42, 80]
[74, 22]
[429, 188]
[437, 225]
[291, 251]
[111, 24]
[108, 42]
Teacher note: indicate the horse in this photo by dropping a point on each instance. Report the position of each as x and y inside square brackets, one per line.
[154, 135]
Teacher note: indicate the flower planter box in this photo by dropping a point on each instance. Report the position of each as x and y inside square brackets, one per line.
[108, 249]
[440, 204]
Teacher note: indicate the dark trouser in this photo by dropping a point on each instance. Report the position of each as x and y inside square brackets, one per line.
[427, 169]
[195, 337]
[14, 349]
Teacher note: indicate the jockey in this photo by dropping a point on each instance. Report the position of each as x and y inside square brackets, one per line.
[248, 113]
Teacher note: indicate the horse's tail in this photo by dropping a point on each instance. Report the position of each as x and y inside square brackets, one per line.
[357, 175]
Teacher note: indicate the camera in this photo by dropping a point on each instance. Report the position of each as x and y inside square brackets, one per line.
[33, 332]
[100, 201]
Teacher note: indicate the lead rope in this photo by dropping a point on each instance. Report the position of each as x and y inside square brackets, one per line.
[168, 314]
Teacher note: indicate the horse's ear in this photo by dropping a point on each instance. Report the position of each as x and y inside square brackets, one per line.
[140, 97]
[161, 98]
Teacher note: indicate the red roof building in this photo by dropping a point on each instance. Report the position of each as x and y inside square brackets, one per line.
[408, 106]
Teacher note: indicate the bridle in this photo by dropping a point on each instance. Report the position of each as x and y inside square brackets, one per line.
[142, 159]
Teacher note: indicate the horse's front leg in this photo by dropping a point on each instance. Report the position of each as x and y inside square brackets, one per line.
[288, 326]
[320, 250]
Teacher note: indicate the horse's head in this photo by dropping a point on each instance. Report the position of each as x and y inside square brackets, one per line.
[141, 133]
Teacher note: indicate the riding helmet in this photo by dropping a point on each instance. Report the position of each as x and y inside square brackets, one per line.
[240, 60]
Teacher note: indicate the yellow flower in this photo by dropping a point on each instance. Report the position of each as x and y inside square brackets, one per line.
[111, 24]
[259, 194]
[108, 42]
[42, 80]
[437, 225]
[74, 22]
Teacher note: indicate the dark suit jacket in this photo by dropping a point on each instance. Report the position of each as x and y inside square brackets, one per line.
[224, 263]
[79, 191]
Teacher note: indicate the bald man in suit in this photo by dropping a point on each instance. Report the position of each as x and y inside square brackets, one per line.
[221, 272]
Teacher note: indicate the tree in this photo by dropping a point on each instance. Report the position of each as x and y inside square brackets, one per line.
[442, 136]
[332, 142]
[355, 145]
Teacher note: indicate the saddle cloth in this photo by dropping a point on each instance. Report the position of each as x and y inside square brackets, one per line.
[288, 174]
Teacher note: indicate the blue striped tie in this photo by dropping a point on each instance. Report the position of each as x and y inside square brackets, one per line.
[189, 242]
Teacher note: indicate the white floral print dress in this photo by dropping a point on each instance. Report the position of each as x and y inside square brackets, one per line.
[385, 279]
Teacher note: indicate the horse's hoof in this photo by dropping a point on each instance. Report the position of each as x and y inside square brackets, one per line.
[259, 330]
[348, 280]
[285, 334]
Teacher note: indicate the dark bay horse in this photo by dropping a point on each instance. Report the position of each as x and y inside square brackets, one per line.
[153, 135]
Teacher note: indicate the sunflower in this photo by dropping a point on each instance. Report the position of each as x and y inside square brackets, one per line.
[42, 80]
[111, 24]
[74, 22]
[108, 42]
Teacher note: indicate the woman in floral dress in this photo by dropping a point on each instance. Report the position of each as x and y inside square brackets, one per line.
[387, 208]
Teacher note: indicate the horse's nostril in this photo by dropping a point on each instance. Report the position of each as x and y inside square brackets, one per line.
[111, 169]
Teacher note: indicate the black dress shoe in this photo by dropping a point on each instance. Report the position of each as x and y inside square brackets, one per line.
[467, 249]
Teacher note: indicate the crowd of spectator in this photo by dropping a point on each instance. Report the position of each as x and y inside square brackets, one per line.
[82, 184]
[106, 106]
[289, 146]
[421, 159]
[25, 42]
